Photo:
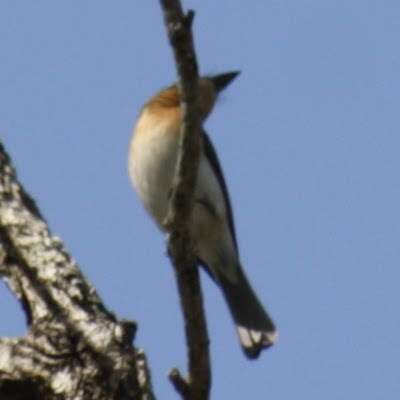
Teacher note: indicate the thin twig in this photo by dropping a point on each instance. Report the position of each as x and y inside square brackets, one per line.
[180, 247]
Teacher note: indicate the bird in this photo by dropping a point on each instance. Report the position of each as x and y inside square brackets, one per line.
[152, 158]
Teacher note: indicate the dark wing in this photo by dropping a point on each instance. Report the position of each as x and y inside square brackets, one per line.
[215, 165]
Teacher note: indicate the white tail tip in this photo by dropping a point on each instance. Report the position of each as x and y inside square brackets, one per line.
[254, 341]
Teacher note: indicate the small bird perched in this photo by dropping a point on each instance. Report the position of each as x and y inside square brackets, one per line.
[152, 159]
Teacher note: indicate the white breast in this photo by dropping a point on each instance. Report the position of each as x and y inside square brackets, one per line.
[152, 160]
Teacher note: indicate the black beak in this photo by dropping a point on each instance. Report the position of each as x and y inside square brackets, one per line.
[221, 81]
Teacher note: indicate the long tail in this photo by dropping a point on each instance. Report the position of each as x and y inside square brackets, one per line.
[254, 326]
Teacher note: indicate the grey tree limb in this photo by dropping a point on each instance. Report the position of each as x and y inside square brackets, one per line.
[180, 246]
[74, 348]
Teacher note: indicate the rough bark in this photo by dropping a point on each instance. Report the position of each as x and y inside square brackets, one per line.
[74, 348]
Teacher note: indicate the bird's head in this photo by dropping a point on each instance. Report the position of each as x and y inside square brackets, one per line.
[208, 90]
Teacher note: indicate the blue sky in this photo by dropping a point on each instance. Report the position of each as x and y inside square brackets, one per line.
[309, 140]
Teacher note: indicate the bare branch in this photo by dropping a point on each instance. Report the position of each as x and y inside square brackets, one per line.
[197, 385]
[181, 385]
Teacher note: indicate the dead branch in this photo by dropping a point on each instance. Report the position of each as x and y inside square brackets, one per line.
[180, 246]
